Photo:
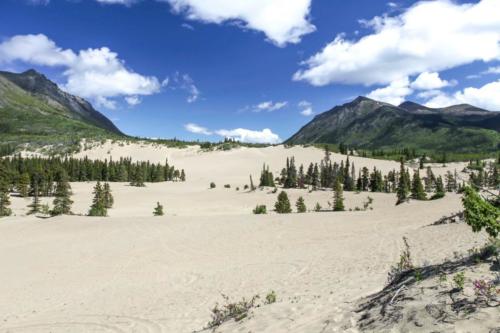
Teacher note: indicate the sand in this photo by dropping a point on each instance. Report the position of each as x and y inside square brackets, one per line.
[132, 272]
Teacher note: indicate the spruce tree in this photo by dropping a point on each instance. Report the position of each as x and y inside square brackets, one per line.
[23, 184]
[183, 176]
[62, 201]
[98, 207]
[300, 205]
[338, 197]
[402, 188]
[107, 196]
[282, 206]
[439, 189]
[35, 205]
[4, 199]
[158, 211]
[417, 189]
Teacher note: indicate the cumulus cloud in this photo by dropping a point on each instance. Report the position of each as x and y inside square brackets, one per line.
[282, 21]
[305, 108]
[98, 74]
[250, 136]
[269, 106]
[394, 93]
[429, 81]
[430, 36]
[193, 128]
[487, 97]
[133, 100]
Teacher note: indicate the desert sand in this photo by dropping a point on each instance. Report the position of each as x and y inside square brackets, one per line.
[132, 272]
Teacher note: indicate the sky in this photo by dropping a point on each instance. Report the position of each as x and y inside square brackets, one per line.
[253, 70]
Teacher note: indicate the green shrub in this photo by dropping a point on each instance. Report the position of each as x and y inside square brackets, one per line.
[260, 209]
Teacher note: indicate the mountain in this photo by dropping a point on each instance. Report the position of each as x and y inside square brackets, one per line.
[34, 110]
[369, 124]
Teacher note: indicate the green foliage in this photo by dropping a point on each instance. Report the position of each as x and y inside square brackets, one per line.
[212, 185]
[479, 213]
[266, 177]
[231, 311]
[300, 205]
[417, 189]
[402, 187]
[98, 207]
[317, 207]
[4, 199]
[260, 209]
[282, 206]
[405, 263]
[158, 211]
[338, 197]
[271, 297]
[227, 186]
[459, 280]
[107, 196]
[62, 202]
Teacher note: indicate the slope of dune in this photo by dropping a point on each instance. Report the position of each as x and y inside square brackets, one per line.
[132, 272]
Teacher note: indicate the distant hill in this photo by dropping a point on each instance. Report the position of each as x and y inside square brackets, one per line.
[368, 124]
[34, 110]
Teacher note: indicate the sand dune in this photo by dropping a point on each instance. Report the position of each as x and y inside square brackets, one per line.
[131, 272]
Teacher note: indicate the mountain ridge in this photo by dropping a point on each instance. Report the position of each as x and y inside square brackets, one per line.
[370, 124]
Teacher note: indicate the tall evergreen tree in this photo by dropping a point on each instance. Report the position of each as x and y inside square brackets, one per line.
[23, 184]
[402, 188]
[98, 207]
[282, 206]
[338, 197]
[4, 199]
[417, 189]
[35, 206]
[439, 189]
[107, 196]
[62, 201]
[300, 205]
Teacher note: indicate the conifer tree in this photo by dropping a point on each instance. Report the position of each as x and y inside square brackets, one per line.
[417, 189]
[439, 189]
[158, 211]
[338, 197]
[35, 205]
[98, 207]
[183, 176]
[282, 206]
[300, 205]
[62, 201]
[23, 184]
[4, 199]
[402, 188]
[107, 196]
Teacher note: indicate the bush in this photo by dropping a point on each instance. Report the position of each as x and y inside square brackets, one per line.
[404, 265]
[158, 211]
[479, 213]
[301, 206]
[231, 310]
[271, 297]
[227, 186]
[282, 206]
[318, 207]
[212, 185]
[260, 209]
[459, 280]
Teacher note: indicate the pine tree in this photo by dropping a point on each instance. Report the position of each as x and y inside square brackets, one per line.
[417, 189]
[402, 188]
[35, 206]
[183, 176]
[107, 196]
[282, 206]
[62, 201]
[301, 206]
[4, 199]
[158, 211]
[338, 197]
[439, 189]
[23, 184]
[98, 207]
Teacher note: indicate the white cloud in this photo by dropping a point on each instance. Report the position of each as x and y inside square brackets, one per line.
[394, 93]
[269, 106]
[429, 81]
[282, 21]
[306, 108]
[246, 135]
[429, 94]
[183, 82]
[487, 97]
[98, 74]
[492, 70]
[430, 36]
[187, 26]
[117, 2]
[133, 100]
[193, 128]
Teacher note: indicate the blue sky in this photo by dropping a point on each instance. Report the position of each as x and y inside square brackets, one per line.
[204, 69]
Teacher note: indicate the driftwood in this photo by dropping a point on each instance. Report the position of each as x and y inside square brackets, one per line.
[454, 218]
